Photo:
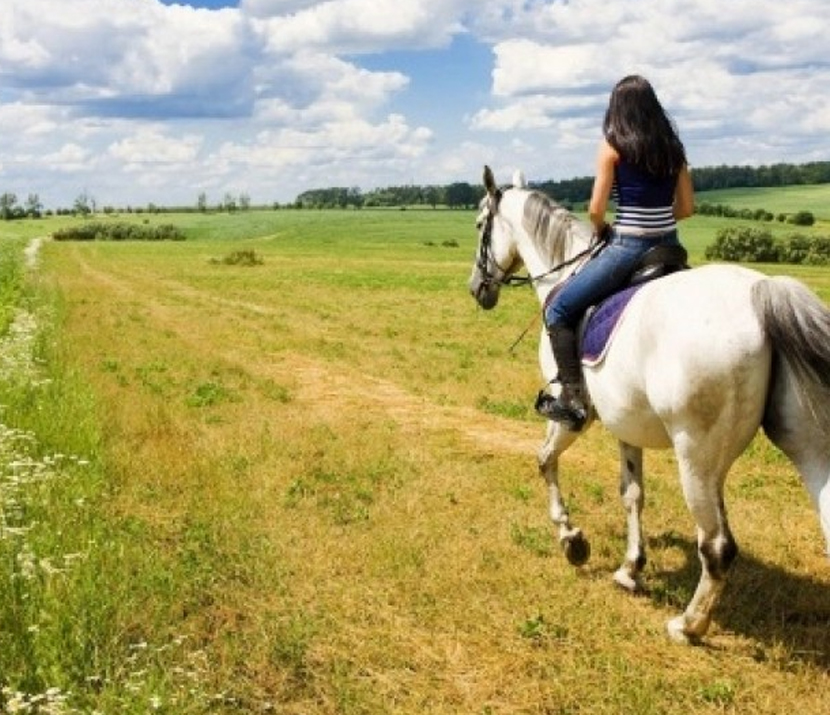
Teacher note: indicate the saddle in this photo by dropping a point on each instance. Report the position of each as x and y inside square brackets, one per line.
[599, 321]
[659, 261]
[597, 326]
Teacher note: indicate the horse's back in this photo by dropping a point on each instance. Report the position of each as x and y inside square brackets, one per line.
[689, 356]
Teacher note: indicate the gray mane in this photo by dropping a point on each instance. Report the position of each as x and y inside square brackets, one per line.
[550, 225]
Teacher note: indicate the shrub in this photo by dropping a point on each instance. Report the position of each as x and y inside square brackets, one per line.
[743, 244]
[752, 245]
[93, 231]
[802, 218]
[245, 257]
[795, 249]
[819, 253]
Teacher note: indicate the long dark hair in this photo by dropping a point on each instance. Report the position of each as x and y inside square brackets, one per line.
[641, 131]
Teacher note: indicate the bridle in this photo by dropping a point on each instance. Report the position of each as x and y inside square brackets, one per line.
[485, 257]
[500, 276]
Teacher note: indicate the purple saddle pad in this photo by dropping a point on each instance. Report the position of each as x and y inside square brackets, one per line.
[602, 322]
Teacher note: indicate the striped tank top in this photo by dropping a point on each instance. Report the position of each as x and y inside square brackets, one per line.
[644, 202]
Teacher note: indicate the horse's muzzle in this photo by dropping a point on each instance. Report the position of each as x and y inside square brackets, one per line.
[486, 293]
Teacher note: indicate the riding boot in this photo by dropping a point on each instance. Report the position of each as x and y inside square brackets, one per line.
[569, 406]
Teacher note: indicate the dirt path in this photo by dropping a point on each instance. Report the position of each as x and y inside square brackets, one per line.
[316, 384]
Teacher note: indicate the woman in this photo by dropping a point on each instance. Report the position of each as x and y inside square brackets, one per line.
[642, 161]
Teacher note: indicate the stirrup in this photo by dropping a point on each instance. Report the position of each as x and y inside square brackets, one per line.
[573, 414]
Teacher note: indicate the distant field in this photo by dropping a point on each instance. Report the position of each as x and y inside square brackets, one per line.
[784, 199]
[441, 225]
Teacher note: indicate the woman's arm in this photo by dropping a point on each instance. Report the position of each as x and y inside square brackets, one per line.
[607, 159]
[684, 195]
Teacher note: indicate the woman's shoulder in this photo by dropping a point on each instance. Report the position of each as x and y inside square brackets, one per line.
[607, 151]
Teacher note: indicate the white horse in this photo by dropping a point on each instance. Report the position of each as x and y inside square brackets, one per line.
[700, 360]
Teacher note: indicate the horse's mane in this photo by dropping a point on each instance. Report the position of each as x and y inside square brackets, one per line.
[549, 224]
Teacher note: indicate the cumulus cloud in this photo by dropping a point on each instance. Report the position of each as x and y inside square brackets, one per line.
[109, 56]
[361, 26]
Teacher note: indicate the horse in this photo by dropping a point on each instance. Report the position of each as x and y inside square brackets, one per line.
[699, 362]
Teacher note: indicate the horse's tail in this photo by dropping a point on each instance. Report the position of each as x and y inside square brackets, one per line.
[797, 415]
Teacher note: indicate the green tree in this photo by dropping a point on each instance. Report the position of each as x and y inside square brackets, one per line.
[84, 204]
[34, 207]
[229, 204]
[8, 201]
[461, 195]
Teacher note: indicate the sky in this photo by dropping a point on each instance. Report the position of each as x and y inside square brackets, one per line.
[132, 102]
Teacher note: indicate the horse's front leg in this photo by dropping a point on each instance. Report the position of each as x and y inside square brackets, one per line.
[574, 544]
[633, 496]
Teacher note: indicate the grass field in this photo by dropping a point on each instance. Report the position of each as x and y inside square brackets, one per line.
[309, 486]
[782, 199]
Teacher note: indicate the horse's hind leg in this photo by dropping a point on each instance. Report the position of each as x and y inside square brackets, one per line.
[631, 491]
[810, 454]
[792, 428]
[717, 549]
[574, 544]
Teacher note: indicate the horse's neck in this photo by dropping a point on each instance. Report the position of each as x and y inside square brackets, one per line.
[566, 239]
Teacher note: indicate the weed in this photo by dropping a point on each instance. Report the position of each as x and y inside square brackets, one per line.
[518, 409]
[718, 692]
[538, 629]
[242, 257]
[537, 540]
[208, 394]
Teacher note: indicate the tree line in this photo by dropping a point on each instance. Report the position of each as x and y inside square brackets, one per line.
[571, 193]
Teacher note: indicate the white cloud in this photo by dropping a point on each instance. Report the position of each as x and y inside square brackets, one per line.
[108, 53]
[360, 26]
[139, 101]
[151, 146]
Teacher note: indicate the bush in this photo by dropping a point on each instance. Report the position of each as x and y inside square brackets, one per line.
[93, 231]
[245, 257]
[752, 245]
[743, 244]
[802, 218]
[795, 249]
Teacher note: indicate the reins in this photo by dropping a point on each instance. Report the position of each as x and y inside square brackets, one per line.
[485, 258]
[530, 280]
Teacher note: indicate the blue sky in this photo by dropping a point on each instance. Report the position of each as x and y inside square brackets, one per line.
[139, 101]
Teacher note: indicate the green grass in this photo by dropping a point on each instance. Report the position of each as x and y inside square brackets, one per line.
[782, 199]
[308, 486]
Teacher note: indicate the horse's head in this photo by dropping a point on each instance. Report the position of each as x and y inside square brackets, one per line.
[496, 258]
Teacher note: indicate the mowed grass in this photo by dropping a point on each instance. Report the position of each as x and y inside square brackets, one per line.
[312, 489]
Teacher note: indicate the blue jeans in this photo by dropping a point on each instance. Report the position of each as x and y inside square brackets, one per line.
[604, 274]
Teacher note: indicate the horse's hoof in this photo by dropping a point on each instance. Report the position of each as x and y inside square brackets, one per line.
[626, 580]
[577, 549]
[676, 629]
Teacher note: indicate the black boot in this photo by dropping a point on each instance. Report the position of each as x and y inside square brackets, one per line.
[569, 407]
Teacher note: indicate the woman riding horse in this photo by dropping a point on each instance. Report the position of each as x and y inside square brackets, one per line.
[642, 161]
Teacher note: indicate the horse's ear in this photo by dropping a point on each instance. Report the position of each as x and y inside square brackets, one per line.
[489, 181]
[519, 180]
